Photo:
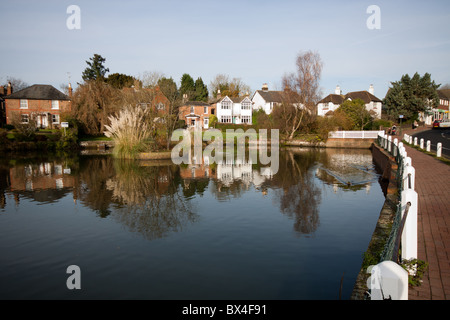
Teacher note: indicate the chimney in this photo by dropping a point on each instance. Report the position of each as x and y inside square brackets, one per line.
[265, 87]
[70, 90]
[371, 90]
[338, 90]
[9, 89]
[219, 95]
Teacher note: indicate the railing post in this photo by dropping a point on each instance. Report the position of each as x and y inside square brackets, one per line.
[388, 280]
[439, 150]
[395, 147]
[409, 235]
[421, 143]
[389, 144]
[410, 140]
[415, 141]
[409, 177]
[428, 145]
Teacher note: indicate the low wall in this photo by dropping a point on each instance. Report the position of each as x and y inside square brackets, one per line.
[349, 143]
[386, 163]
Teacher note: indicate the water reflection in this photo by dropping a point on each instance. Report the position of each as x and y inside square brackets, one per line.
[153, 198]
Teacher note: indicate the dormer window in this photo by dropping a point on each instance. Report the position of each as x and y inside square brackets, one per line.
[246, 105]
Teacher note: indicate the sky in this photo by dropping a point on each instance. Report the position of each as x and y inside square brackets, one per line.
[254, 40]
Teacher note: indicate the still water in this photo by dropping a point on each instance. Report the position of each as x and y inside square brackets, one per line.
[154, 230]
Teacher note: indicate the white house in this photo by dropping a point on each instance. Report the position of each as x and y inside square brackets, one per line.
[267, 100]
[330, 103]
[234, 110]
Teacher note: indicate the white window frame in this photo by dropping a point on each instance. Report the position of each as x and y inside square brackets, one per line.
[225, 119]
[24, 116]
[225, 105]
[205, 110]
[246, 105]
[55, 117]
[55, 104]
[246, 119]
[23, 103]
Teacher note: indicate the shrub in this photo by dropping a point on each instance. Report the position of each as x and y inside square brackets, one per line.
[129, 131]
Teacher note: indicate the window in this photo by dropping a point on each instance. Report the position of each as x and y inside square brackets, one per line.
[55, 104]
[226, 105]
[205, 110]
[23, 104]
[246, 105]
[192, 110]
[25, 118]
[55, 118]
[225, 119]
[245, 119]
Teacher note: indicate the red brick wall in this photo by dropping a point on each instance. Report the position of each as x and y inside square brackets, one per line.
[35, 106]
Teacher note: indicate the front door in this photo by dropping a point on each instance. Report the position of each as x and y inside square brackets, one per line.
[206, 123]
[44, 121]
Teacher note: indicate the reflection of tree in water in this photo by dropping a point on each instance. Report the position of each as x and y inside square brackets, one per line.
[149, 198]
[91, 185]
[299, 197]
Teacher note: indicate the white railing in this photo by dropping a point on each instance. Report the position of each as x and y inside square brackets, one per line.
[422, 144]
[354, 134]
[388, 279]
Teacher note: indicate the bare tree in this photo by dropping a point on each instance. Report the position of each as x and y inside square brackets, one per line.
[301, 94]
[232, 88]
[150, 79]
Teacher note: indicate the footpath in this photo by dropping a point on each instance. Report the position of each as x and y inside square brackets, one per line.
[432, 186]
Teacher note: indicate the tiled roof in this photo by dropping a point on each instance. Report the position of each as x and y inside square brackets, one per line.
[39, 92]
[333, 98]
[276, 96]
[366, 96]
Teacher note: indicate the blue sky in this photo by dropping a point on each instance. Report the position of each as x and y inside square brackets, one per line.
[256, 41]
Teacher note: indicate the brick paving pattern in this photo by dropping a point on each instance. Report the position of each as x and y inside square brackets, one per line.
[433, 190]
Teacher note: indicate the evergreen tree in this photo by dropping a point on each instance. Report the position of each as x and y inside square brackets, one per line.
[187, 87]
[201, 90]
[96, 69]
[409, 96]
[120, 80]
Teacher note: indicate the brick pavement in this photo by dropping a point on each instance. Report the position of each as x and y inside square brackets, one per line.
[432, 186]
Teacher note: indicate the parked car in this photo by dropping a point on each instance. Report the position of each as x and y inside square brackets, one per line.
[437, 124]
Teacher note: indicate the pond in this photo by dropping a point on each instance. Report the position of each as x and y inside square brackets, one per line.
[155, 230]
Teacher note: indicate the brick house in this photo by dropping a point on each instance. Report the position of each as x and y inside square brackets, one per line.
[196, 113]
[150, 98]
[42, 103]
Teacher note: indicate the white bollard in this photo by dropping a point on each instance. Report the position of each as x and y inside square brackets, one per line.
[388, 280]
[409, 235]
[389, 144]
[439, 150]
[395, 147]
[415, 141]
[428, 145]
[410, 140]
[421, 143]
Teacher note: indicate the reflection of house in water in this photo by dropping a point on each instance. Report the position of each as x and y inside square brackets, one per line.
[44, 182]
[227, 172]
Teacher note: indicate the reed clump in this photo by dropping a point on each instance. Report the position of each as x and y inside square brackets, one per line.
[130, 131]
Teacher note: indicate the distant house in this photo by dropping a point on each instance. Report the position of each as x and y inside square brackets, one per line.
[443, 110]
[267, 100]
[330, 103]
[150, 98]
[2, 104]
[235, 110]
[196, 113]
[42, 103]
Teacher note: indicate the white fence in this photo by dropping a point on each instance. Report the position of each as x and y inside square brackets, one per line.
[389, 279]
[354, 134]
